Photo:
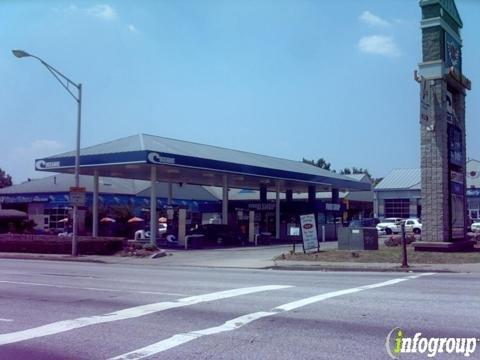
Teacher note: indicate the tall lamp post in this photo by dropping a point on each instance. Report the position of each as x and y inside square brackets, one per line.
[66, 83]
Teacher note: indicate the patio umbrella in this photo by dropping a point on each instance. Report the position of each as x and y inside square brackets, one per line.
[64, 220]
[107, 220]
[162, 220]
[135, 220]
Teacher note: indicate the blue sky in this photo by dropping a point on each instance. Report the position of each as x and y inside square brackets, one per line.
[288, 78]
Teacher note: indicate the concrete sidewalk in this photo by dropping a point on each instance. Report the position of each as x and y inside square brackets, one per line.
[248, 257]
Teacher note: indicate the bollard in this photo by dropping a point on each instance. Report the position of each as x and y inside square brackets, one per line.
[404, 248]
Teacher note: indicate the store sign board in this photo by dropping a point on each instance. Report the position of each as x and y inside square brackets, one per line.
[309, 232]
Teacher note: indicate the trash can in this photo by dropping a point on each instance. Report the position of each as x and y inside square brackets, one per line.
[364, 238]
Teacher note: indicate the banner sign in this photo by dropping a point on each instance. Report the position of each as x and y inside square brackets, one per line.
[309, 232]
[21, 199]
[473, 192]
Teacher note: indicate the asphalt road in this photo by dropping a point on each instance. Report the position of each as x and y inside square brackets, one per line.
[68, 310]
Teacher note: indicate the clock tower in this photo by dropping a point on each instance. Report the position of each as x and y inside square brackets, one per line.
[442, 118]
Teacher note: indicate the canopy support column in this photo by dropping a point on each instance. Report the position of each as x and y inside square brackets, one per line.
[170, 193]
[225, 201]
[95, 205]
[153, 205]
[277, 211]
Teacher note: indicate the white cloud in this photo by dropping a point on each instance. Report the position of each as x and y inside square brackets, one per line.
[373, 20]
[379, 45]
[133, 29]
[102, 11]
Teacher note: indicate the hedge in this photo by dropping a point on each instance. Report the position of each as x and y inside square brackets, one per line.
[49, 244]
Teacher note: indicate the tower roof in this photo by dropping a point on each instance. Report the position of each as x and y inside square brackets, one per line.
[447, 5]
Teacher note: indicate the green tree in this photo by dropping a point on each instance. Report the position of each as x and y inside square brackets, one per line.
[321, 163]
[355, 170]
[5, 179]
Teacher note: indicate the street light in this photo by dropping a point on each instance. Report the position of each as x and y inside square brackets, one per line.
[66, 83]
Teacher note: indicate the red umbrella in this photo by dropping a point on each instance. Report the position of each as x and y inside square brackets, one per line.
[135, 220]
[107, 220]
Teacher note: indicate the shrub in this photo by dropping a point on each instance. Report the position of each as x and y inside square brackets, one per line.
[150, 247]
[393, 241]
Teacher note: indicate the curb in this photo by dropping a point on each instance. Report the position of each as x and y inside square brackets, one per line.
[53, 258]
[355, 269]
[283, 267]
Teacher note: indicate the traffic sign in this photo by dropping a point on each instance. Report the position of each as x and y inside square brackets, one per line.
[77, 196]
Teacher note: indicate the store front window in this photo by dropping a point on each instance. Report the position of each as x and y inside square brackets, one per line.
[397, 208]
[55, 215]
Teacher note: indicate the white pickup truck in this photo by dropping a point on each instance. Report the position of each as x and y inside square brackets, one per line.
[390, 226]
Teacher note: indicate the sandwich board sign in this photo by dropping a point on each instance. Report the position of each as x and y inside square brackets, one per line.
[309, 232]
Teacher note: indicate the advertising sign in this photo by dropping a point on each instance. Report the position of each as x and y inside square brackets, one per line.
[77, 196]
[451, 117]
[332, 207]
[457, 216]
[426, 116]
[309, 232]
[456, 183]
[455, 145]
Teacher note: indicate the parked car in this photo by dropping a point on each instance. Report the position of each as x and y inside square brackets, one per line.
[470, 222]
[144, 234]
[389, 226]
[218, 234]
[413, 225]
[475, 227]
[369, 222]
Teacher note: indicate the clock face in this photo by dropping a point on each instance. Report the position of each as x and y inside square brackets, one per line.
[453, 54]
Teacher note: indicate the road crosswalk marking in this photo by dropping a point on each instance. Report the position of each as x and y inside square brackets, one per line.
[240, 321]
[129, 313]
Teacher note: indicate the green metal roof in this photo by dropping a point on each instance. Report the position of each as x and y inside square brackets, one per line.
[448, 5]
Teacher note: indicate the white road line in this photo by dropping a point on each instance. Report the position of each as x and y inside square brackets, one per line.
[240, 321]
[90, 288]
[6, 320]
[129, 313]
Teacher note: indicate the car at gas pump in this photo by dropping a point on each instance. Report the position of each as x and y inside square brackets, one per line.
[220, 235]
[144, 234]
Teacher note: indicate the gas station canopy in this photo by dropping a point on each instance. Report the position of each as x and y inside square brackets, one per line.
[180, 161]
